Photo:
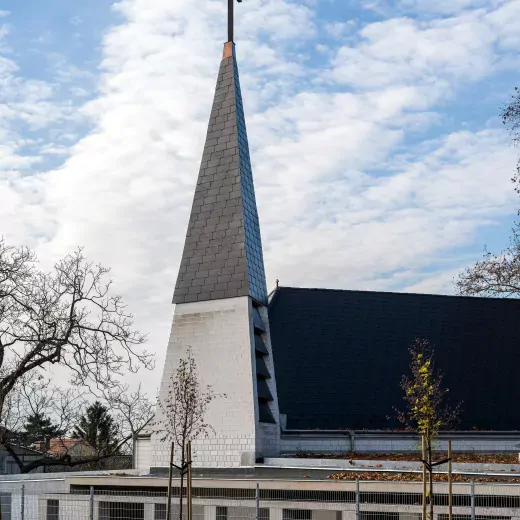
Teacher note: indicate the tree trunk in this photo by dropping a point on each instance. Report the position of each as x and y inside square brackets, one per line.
[181, 491]
[170, 475]
[423, 455]
[431, 476]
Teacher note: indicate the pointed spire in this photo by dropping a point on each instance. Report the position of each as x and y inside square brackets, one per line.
[222, 255]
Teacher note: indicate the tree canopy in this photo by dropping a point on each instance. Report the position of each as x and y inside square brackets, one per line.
[39, 428]
[427, 410]
[67, 319]
[98, 429]
[498, 274]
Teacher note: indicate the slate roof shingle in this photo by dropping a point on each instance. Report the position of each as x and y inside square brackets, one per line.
[339, 356]
[222, 256]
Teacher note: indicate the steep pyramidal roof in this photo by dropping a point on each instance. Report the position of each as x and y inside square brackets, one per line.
[222, 255]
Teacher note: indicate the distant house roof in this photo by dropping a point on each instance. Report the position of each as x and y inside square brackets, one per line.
[58, 446]
[340, 355]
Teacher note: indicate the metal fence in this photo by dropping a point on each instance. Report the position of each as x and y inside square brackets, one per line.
[264, 500]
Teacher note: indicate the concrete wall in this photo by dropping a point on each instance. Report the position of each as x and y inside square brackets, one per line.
[78, 506]
[31, 490]
[219, 334]
[143, 452]
[324, 443]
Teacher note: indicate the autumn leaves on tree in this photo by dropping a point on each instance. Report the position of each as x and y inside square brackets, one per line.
[427, 411]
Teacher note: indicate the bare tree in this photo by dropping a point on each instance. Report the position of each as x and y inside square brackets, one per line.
[69, 319]
[498, 275]
[426, 409]
[133, 411]
[65, 407]
[182, 412]
[511, 115]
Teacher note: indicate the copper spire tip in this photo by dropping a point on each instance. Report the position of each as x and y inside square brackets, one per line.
[228, 50]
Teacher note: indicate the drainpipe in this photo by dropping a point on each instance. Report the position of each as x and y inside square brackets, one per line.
[352, 435]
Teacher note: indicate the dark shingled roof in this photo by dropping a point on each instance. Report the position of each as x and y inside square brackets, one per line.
[340, 355]
[222, 255]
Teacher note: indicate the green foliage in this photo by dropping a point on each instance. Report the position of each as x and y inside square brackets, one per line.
[97, 427]
[39, 428]
[426, 410]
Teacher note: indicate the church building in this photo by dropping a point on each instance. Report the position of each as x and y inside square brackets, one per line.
[308, 382]
[311, 367]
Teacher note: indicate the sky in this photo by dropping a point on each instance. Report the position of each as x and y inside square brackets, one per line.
[379, 158]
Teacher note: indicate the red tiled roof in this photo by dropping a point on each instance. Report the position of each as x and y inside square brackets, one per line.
[58, 446]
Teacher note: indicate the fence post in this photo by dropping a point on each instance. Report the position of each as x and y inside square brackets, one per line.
[358, 516]
[450, 483]
[257, 498]
[91, 502]
[473, 501]
[22, 507]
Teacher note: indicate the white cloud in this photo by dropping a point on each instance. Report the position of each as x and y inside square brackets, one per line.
[354, 229]
[278, 19]
[339, 29]
[439, 7]
[334, 185]
[408, 51]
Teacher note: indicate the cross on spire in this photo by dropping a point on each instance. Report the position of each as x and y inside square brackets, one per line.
[231, 21]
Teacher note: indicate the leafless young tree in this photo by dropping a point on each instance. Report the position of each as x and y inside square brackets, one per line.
[69, 319]
[182, 412]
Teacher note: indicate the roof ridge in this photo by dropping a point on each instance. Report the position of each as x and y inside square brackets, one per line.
[400, 293]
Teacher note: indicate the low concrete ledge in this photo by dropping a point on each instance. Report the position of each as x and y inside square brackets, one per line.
[294, 442]
[378, 465]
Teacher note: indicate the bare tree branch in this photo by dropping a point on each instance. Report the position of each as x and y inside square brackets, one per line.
[494, 275]
[182, 412]
[69, 318]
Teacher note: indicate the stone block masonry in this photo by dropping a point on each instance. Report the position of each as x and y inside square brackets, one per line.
[219, 334]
